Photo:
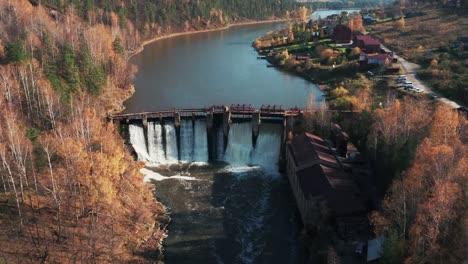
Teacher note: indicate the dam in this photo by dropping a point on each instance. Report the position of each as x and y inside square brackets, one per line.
[236, 134]
[217, 171]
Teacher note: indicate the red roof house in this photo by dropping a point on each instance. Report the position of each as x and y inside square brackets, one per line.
[367, 43]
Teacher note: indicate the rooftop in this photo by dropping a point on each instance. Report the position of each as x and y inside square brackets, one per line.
[367, 40]
[320, 174]
[378, 57]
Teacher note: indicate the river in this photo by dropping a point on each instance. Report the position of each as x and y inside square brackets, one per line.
[237, 208]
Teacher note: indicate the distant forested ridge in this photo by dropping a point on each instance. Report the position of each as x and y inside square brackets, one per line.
[164, 12]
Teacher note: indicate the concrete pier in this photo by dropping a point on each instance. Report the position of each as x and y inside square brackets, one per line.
[145, 121]
[177, 119]
[226, 121]
[256, 121]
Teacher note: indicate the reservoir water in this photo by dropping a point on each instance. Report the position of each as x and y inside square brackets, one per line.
[213, 68]
[236, 207]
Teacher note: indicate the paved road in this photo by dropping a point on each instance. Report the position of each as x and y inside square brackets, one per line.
[411, 69]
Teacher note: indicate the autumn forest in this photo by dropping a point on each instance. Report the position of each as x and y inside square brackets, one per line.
[71, 191]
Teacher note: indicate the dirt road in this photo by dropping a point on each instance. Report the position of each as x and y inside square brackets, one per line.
[411, 70]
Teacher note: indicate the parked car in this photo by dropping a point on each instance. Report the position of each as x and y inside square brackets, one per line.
[359, 250]
[408, 86]
[370, 74]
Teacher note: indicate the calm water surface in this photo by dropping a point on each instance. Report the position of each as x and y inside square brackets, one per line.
[211, 68]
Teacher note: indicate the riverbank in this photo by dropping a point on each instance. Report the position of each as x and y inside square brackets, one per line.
[177, 34]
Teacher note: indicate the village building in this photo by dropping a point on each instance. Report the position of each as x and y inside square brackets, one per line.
[367, 44]
[379, 59]
[324, 192]
[342, 34]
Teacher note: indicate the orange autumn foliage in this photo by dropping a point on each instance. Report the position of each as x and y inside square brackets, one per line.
[425, 206]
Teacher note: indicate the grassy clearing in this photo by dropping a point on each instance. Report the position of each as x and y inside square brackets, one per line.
[431, 41]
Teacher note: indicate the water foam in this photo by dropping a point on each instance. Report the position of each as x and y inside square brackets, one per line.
[151, 175]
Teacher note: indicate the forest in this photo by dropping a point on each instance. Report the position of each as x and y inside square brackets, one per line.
[175, 13]
[70, 191]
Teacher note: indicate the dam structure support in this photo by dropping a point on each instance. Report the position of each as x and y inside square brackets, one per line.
[207, 134]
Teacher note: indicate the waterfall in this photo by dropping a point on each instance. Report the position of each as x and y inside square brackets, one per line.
[161, 146]
[240, 144]
[171, 143]
[219, 144]
[155, 143]
[186, 141]
[268, 148]
[200, 152]
[137, 138]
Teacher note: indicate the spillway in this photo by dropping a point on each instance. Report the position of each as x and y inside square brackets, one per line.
[268, 148]
[186, 141]
[155, 143]
[240, 145]
[163, 144]
[200, 146]
[138, 141]
[172, 154]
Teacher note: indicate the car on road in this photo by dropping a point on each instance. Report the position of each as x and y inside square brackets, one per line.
[370, 74]
[416, 89]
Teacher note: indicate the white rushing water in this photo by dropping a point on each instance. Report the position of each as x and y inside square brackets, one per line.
[137, 138]
[240, 145]
[200, 146]
[268, 148]
[219, 144]
[155, 143]
[172, 155]
[151, 175]
[186, 141]
[253, 224]
[161, 145]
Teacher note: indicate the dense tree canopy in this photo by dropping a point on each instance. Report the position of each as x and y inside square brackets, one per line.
[164, 12]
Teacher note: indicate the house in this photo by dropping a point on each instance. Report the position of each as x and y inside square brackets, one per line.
[367, 44]
[342, 34]
[324, 192]
[379, 59]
